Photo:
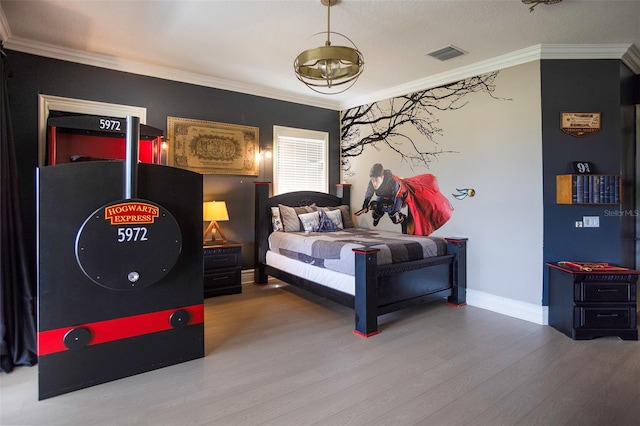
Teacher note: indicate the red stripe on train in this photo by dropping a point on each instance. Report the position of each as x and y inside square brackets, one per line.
[52, 341]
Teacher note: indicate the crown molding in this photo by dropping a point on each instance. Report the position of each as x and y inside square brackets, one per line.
[583, 51]
[110, 62]
[511, 59]
[628, 53]
[632, 59]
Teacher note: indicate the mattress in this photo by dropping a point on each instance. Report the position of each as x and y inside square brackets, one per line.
[334, 250]
[328, 278]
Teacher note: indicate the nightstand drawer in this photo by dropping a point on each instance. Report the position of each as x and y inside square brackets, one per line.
[612, 317]
[223, 259]
[219, 279]
[605, 292]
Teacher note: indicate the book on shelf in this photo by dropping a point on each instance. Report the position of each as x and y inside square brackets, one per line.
[579, 188]
[595, 188]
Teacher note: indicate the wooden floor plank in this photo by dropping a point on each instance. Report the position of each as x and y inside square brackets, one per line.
[278, 356]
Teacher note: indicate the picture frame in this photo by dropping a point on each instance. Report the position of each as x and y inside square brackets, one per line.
[580, 124]
[209, 147]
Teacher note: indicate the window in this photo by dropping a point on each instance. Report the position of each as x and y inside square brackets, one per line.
[299, 160]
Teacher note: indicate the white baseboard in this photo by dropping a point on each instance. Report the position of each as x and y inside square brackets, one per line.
[526, 311]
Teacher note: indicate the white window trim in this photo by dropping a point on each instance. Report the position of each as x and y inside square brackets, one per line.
[281, 131]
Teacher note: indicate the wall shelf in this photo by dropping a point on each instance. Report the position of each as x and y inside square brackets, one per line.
[588, 189]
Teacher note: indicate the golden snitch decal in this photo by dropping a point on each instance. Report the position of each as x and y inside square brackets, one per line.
[464, 193]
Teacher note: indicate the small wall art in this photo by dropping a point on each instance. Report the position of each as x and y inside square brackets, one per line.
[208, 147]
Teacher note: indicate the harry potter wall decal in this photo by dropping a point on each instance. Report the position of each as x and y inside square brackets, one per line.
[427, 208]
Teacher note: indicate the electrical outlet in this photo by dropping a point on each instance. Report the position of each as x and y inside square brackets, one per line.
[591, 221]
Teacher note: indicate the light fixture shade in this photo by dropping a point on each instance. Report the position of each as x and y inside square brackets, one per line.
[215, 211]
[329, 66]
[327, 69]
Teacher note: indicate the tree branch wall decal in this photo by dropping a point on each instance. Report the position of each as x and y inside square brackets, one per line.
[384, 124]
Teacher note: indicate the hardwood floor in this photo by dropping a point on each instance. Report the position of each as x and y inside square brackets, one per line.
[278, 356]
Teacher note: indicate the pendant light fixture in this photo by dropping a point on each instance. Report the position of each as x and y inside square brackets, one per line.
[327, 69]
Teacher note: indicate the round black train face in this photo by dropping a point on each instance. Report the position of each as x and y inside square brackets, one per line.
[128, 244]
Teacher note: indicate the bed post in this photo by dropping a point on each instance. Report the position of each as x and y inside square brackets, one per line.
[366, 301]
[261, 231]
[458, 247]
[343, 191]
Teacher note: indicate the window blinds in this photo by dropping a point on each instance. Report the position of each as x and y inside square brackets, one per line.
[300, 164]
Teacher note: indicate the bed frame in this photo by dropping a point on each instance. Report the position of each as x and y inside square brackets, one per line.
[378, 289]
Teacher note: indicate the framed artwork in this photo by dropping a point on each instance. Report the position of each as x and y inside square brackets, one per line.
[580, 124]
[208, 147]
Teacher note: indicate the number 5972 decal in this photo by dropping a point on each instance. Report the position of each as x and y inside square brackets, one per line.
[106, 124]
[136, 233]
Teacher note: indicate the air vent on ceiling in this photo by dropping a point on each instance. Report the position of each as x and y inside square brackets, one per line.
[446, 53]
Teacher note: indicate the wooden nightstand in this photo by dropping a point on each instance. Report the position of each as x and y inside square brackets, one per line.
[222, 268]
[584, 305]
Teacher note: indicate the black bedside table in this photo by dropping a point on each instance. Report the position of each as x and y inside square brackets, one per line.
[594, 303]
[222, 268]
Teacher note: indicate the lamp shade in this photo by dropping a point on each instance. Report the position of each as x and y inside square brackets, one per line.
[214, 211]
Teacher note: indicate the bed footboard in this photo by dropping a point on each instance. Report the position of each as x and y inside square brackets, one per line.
[367, 305]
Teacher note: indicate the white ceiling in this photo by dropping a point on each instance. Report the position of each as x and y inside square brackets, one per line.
[249, 46]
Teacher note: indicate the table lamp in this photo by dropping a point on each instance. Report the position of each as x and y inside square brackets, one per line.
[214, 211]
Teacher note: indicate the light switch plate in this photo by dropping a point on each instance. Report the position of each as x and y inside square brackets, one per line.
[591, 221]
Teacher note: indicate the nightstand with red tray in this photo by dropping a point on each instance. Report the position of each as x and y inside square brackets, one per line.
[593, 299]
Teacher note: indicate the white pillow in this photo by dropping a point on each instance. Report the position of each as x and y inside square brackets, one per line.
[310, 221]
[335, 216]
[276, 221]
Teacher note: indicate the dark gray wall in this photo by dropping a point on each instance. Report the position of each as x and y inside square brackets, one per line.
[605, 86]
[33, 75]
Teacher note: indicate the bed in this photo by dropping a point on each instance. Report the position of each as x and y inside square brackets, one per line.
[370, 288]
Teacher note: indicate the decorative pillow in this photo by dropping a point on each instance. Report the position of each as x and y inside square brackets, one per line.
[276, 221]
[335, 216]
[289, 216]
[310, 221]
[347, 221]
[326, 223]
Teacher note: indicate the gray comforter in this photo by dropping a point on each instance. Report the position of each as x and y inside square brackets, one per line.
[333, 250]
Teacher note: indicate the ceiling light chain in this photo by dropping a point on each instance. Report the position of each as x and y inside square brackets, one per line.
[323, 68]
[534, 3]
